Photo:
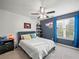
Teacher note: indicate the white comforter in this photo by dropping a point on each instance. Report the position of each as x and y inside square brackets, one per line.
[37, 48]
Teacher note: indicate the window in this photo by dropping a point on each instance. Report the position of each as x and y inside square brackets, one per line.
[65, 28]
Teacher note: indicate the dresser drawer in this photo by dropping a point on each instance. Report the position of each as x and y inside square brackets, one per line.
[6, 46]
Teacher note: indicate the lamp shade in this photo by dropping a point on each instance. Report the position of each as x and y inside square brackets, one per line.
[10, 36]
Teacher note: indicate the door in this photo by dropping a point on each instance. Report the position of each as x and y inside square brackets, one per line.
[65, 31]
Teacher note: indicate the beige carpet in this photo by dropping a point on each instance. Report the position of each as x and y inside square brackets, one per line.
[64, 52]
[61, 52]
[16, 54]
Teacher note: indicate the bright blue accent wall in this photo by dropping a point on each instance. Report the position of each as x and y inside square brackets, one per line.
[76, 31]
[54, 30]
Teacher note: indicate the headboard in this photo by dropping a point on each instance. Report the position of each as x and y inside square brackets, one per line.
[22, 33]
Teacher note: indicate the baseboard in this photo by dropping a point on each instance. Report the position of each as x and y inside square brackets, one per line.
[68, 46]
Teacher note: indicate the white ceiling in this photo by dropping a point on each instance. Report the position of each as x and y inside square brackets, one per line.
[25, 7]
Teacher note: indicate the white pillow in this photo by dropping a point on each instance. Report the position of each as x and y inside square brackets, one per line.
[33, 35]
[26, 37]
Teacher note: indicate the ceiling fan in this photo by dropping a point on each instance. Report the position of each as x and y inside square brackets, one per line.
[42, 13]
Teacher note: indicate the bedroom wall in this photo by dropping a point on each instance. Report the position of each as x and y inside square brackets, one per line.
[46, 31]
[12, 23]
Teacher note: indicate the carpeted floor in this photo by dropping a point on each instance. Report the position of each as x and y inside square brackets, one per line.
[18, 53]
[61, 52]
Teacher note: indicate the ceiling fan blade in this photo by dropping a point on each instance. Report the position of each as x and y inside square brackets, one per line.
[35, 13]
[50, 12]
[47, 16]
[38, 17]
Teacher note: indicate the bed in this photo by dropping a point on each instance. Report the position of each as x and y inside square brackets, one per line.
[36, 48]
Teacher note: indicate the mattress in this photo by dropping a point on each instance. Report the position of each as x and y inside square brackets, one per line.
[37, 48]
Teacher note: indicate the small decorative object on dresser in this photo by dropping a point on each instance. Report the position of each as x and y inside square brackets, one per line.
[6, 45]
[10, 36]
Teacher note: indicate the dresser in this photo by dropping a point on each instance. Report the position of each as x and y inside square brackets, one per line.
[6, 45]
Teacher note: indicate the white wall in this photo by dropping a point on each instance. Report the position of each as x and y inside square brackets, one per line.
[12, 23]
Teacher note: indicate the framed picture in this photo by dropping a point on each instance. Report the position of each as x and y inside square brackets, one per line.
[27, 25]
[49, 24]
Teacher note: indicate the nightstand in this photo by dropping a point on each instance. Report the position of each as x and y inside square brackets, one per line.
[6, 45]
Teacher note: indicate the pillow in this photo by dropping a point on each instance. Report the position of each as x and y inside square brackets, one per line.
[26, 37]
[33, 35]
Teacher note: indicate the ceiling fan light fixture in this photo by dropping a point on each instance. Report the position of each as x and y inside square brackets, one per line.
[42, 9]
[42, 16]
